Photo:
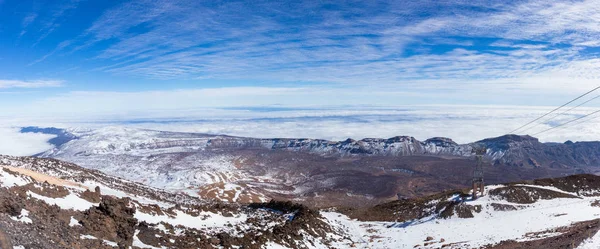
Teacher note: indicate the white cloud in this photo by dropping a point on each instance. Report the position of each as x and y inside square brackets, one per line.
[463, 123]
[356, 43]
[30, 83]
[27, 20]
[526, 90]
[121, 103]
[55, 17]
[22, 144]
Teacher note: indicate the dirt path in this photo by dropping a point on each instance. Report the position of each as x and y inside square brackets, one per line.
[43, 178]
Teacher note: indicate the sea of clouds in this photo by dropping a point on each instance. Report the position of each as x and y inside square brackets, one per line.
[12, 142]
[463, 124]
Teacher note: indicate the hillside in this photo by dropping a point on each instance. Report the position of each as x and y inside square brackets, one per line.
[315, 172]
[52, 204]
[544, 213]
[512, 150]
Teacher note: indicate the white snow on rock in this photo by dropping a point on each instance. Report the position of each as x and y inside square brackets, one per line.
[591, 243]
[86, 236]
[23, 217]
[71, 201]
[204, 220]
[273, 245]
[555, 189]
[144, 156]
[110, 243]
[9, 180]
[487, 227]
[73, 222]
[106, 242]
[105, 190]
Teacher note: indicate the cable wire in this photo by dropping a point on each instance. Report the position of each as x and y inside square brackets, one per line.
[557, 115]
[583, 121]
[552, 128]
[530, 122]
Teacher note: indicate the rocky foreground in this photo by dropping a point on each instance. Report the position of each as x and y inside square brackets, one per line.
[47, 203]
[52, 204]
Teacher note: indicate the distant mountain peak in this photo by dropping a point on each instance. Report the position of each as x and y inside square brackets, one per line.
[401, 139]
[441, 141]
[510, 138]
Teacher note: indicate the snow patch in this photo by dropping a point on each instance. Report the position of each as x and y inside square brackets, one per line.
[23, 217]
[487, 227]
[273, 245]
[9, 180]
[204, 220]
[71, 201]
[73, 222]
[85, 236]
[591, 243]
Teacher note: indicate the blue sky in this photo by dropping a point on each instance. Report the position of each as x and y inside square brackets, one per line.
[101, 57]
[461, 69]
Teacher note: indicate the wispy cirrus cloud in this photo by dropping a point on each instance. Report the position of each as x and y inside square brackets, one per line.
[4, 84]
[51, 20]
[339, 42]
[27, 20]
[58, 48]
[517, 48]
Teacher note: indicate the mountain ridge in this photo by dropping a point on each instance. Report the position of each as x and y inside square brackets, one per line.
[515, 146]
[315, 172]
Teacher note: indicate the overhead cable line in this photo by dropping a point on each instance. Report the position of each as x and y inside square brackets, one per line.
[571, 121]
[570, 109]
[530, 122]
[583, 121]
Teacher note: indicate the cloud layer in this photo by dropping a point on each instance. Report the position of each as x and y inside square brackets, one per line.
[520, 44]
[462, 123]
[20, 144]
[520, 50]
[30, 83]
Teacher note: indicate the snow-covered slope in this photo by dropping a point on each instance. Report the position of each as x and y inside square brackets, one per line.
[216, 166]
[47, 203]
[91, 178]
[163, 160]
[51, 204]
[529, 215]
[238, 169]
[120, 140]
[508, 149]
